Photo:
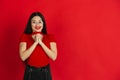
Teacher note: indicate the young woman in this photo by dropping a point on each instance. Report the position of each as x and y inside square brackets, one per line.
[36, 48]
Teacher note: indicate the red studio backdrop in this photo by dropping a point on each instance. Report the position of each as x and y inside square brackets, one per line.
[87, 34]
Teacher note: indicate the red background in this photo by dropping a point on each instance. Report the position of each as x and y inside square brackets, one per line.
[87, 33]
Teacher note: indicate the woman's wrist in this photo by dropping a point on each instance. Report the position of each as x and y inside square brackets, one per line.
[35, 42]
[40, 42]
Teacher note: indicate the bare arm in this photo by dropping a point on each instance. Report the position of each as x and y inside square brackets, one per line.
[52, 52]
[24, 52]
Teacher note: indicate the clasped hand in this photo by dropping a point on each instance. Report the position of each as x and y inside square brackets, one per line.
[38, 38]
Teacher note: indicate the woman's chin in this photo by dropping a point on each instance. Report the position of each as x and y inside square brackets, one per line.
[37, 31]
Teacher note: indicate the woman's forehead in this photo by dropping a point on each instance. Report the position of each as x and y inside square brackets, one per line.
[36, 18]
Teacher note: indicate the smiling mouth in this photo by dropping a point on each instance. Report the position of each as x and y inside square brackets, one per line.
[37, 27]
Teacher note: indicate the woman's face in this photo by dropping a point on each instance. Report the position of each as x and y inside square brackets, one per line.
[36, 24]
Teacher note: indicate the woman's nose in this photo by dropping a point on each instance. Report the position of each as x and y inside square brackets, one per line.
[37, 24]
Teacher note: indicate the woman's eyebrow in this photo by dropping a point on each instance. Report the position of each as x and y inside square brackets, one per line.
[36, 20]
[33, 20]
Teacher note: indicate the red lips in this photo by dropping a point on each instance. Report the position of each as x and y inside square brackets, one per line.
[37, 27]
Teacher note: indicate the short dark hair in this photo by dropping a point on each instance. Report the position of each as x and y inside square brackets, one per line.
[28, 29]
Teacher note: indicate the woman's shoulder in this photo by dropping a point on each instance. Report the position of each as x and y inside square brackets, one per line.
[51, 37]
[24, 37]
